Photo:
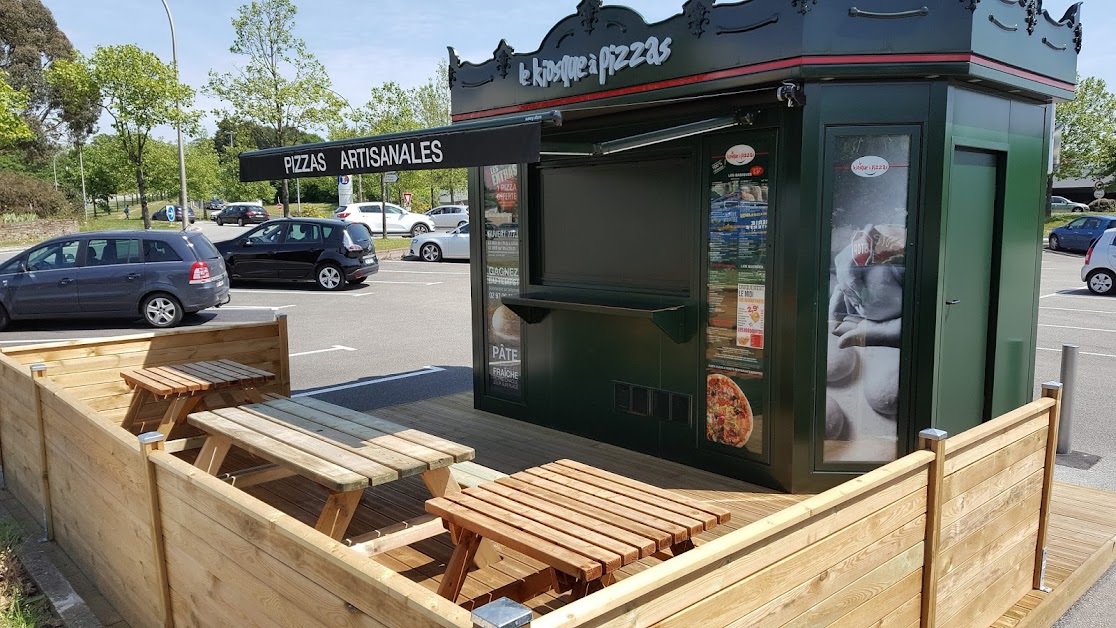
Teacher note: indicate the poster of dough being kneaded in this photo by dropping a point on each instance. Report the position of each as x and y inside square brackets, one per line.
[864, 324]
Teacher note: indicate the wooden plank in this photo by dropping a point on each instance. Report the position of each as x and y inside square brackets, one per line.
[397, 535]
[216, 376]
[337, 513]
[256, 475]
[558, 556]
[676, 505]
[253, 351]
[353, 435]
[891, 607]
[723, 515]
[181, 382]
[247, 370]
[321, 471]
[140, 377]
[978, 472]
[935, 485]
[971, 574]
[1022, 515]
[792, 579]
[993, 508]
[370, 466]
[1000, 425]
[460, 453]
[978, 495]
[68, 349]
[367, 585]
[1052, 393]
[961, 458]
[1007, 583]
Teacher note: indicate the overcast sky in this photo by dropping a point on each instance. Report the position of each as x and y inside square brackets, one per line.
[367, 42]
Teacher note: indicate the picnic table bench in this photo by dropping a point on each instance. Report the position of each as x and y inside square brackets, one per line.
[342, 450]
[583, 522]
[185, 385]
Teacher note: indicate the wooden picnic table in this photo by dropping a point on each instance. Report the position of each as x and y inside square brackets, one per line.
[185, 385]
[342, 450]
[583, 522]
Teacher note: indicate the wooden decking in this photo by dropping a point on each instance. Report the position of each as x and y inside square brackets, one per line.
[1083, 522]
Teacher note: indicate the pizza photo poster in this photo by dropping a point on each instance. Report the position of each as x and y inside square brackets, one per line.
[503, 328]
[736, 271]
[870, 181]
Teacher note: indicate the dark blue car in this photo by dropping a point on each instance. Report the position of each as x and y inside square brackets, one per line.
[1080, 234]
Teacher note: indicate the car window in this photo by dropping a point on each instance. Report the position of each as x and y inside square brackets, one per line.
[109, 251]
[269, 234]
[1058, 199]
[54, 256]
[12, 266]
[463, 229]
[370, 209]
[436, 212]
[394, 211]
[360, 235]
[304, 233]
[203, 248]
[327, 231]
[159, 251]
[1077, 224]
[1092, 223]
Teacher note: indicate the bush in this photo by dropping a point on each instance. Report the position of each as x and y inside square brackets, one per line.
[21, 194]
[14, 218]
[1103, 205]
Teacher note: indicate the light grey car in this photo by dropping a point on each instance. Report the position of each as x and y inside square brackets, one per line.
[159, 275]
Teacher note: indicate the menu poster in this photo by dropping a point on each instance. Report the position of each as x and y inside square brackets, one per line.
[503, 328]
[736, 270]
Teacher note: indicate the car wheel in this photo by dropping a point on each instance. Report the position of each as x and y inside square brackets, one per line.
[220, 223]
[1053, 242]
[430, 252]
[161, 310]
[4, 318]
[358, 280]
[240, 222]
[419, 229]
[463, 222]
[1100, 281]
[329, 277]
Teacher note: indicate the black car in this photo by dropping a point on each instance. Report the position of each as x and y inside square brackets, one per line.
[162, 215]
[242, 215]
[326, 251]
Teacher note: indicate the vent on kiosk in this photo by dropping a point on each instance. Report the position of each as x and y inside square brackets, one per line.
[663, 405]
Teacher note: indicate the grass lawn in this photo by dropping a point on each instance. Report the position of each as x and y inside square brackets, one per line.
[21, 605]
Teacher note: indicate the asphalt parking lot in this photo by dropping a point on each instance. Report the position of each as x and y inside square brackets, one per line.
[405, 335]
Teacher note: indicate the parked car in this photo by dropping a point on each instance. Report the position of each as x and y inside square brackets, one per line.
[215, 204]
[434, 247]
[162, 214]
[1061, 203]
[1099, 270]
[399, 220]
[449, 216]
[242, 214]
[159, 275]
[1080, 234]
[323, 250]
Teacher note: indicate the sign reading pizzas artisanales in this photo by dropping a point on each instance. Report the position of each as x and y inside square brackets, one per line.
[607, 62]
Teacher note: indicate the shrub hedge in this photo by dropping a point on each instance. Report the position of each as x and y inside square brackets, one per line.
[21, 194]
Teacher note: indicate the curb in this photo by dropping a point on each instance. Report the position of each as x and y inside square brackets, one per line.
[67, 604]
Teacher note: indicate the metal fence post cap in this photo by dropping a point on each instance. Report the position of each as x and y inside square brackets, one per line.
[38, 368]
[1052, 385]
[503, 613]
[280, 315]
[933, 433]
[148, 438]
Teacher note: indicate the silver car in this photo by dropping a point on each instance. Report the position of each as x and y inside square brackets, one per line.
[159, 275]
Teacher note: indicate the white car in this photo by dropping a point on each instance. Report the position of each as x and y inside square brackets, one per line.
[1099, 271]
[435, 247]
[449, 216]
[399, 220]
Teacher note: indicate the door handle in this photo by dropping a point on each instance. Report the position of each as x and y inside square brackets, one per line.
[65, 282]
[953, 301]
[133, 276]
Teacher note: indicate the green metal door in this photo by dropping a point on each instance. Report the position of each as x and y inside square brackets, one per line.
[968, 291]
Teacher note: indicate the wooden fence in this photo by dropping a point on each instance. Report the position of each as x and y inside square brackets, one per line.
[947, 536]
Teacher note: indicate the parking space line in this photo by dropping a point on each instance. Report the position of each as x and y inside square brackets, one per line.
[1073, 309]
[1111, 331]
[1098, 355]
[415, 283]
[427, 370]
[1068, 296]
[425, 272]
[256, 307]
[333, 348]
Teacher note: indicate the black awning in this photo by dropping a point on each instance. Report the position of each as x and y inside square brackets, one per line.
[483, 143]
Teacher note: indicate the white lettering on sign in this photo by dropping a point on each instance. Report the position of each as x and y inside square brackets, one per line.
[740, 154]
[870, 166]
[609, 61]
[299, 164]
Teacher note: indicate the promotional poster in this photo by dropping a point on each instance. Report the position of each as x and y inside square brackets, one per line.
[865, 310]
[740, 188]
[503, 329]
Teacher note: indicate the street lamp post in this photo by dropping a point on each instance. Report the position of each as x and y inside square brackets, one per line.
[181, 151]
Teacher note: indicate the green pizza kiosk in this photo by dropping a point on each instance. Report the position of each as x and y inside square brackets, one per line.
[773, 238]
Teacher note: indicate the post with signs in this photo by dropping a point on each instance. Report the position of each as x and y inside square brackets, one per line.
[344, 189]
[383, 205]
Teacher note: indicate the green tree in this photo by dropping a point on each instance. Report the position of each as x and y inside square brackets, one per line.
[281, 85]
[229, 185]
[107, 172]
[30, 45]
[13, 128]
[139, 92]
[1088, 123]
[202, 169]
